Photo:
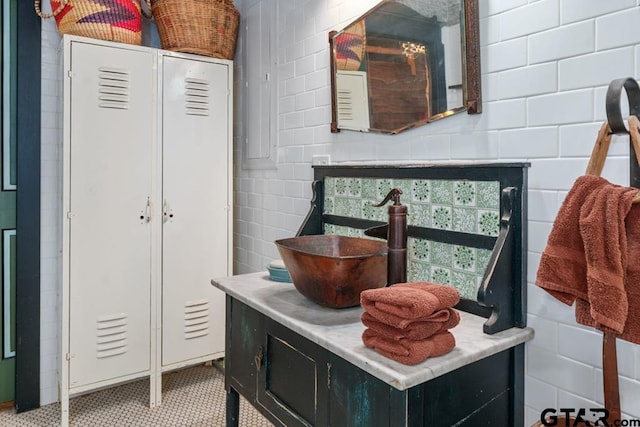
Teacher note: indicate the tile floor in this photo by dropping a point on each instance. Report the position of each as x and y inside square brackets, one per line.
[190, 397]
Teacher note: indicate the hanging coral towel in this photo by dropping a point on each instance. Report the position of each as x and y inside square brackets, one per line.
[585, 259]
[631, 330]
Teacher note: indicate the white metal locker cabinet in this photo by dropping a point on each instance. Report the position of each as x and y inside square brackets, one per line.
[196, 199]
[110, 167]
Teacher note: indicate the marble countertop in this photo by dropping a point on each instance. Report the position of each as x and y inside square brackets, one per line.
[340, 331]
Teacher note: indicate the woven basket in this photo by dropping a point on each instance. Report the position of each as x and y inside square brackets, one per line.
[114, 20]
[349, 47]
[203, 27]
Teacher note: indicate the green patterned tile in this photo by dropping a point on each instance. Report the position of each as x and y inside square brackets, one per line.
[418, 271]
[341, 186]
[442, 192]
[465, 220]
[369, 189]
[348, 207]
[329, 205]
[441, 275]
[383, 213]
[421, 191]
[354, 187]
[342, 230]
[442, 254]
[329, 229]
[483, 256]
[329, 186]
[464, 258]
[355, 232]
[419, 215]
[383, 186]
[441, 217]
[369, 211]
[405, 186]
[419, 249]
[466, 284]
[464, 193]
[488, 194]
[488, 222]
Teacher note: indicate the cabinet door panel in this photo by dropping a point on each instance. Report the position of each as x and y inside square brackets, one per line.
[112, 99]
[195, 192]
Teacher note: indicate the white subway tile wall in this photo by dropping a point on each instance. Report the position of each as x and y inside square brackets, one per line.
[545, 65]
[544, 46]
[51, 208]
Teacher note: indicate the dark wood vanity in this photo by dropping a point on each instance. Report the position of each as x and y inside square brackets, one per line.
[301, 364]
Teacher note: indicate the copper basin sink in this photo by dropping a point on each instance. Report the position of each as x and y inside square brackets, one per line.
[332, 270]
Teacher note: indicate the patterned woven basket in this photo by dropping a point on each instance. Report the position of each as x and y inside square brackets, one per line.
[113, 20]
[349, 46]
[203, 27]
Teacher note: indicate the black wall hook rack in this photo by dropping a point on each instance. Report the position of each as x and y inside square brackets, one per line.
[614, 114]
[617, 124]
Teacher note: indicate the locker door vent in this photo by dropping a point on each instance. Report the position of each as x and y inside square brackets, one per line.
[197, 97]
[112, 335]
[113, 88]
[196, 318]
[345, 104]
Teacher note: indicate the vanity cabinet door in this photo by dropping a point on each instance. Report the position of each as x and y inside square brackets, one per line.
[281, 373]
[244, 350]
[292, 381]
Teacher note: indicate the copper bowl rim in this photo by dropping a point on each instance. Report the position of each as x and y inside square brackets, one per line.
[284, 244]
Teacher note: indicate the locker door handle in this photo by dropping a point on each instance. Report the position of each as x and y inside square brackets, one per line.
[167, 213]
[145, 215]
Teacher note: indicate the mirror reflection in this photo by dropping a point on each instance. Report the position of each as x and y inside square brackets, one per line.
[405, 63]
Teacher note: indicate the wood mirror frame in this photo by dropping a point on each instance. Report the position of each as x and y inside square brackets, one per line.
[357, 67]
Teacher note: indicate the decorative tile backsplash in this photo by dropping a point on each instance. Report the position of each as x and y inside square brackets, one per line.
[464, 206]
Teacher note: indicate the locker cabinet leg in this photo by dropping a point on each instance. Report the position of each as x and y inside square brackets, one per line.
[64, 410]
[155, 391]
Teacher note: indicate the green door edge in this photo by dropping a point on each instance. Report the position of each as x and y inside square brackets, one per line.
[8, 203]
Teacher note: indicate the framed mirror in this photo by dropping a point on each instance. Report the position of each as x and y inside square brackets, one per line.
[405, 63]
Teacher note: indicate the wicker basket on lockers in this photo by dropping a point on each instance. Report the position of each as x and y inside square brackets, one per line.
[203, 27]
[113, 20]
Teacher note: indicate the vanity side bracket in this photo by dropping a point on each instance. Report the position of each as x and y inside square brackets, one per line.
[313, 223]
[499, 275]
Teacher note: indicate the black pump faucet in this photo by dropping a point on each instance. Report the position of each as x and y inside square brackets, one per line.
[396, 237]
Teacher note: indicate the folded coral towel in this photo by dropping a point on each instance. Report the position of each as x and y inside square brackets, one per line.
[585, 259]
[409, 352]
[399, 304]
[440, 321]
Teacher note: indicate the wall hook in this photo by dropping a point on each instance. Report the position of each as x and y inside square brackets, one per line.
[614, 114]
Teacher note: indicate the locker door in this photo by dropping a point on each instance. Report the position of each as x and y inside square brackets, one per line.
[195, 184]
[112, 114]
